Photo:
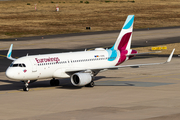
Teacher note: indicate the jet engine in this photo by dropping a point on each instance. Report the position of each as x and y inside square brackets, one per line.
[81, 79]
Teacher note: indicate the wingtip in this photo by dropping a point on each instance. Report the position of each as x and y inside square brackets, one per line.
[170, 56]
[10, 52]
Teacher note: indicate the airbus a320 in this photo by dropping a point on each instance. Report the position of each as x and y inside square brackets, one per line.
[81, 67]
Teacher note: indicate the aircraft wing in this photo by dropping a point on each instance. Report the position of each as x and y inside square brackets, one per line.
[143, 53]
[121, 66]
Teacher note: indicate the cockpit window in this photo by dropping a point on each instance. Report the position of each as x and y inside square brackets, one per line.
[15, 65]
[23, 65]
[18, 65]
[11, 65]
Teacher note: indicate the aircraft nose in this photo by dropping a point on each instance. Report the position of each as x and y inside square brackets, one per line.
[9, 73]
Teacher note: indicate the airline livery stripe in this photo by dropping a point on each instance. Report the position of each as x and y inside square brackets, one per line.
[124, 41]
[129, 22]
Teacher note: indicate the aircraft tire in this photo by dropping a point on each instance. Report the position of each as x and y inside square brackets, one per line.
[25, 89]
[56, 82]
[91, 84]
[52, 82]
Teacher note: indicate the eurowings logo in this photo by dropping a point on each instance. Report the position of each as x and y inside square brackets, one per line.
[42, 60]
[24, 70]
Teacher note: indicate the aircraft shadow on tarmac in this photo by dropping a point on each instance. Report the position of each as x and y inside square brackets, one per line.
[12, 85]
[64, 84]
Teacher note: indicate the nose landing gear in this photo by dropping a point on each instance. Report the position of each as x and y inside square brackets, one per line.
[26, 84]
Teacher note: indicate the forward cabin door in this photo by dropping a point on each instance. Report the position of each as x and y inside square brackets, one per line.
[34, 65]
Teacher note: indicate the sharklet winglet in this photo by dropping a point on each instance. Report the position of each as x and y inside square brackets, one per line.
[9, 53]
[170, 56]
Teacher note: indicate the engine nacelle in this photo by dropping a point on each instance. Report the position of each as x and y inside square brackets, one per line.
[81, 79]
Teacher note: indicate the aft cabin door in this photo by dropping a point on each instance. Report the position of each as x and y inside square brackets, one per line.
[34, 65]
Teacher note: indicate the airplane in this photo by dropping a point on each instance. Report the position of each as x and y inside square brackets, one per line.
[81, 66]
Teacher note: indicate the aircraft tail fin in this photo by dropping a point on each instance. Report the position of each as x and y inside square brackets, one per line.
[123, 41]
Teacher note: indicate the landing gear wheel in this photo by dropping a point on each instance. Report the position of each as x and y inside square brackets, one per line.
[54, 82]
[91, 84]
[26, 84]
[25, 89]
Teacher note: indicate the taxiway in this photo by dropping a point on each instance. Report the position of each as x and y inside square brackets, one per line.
[145, 93]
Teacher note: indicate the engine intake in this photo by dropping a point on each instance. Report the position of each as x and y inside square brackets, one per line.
[81, 79]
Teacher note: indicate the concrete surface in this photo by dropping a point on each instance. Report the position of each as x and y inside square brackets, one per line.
[146, 93]
[125, 101]
[140, 38]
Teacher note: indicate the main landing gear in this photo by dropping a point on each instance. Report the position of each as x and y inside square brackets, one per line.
[26, 84]
[54, 82]
[91, 84]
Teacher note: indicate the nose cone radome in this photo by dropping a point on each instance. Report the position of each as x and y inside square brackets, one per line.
[10, 73]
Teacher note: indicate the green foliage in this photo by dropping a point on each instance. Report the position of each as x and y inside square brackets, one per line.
[7, 33]
[81, 1]
[87, 2]
[28, 4]
[133, 1]
[52, 2]
[107, 1]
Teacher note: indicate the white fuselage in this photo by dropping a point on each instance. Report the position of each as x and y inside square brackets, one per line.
[55, 65]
